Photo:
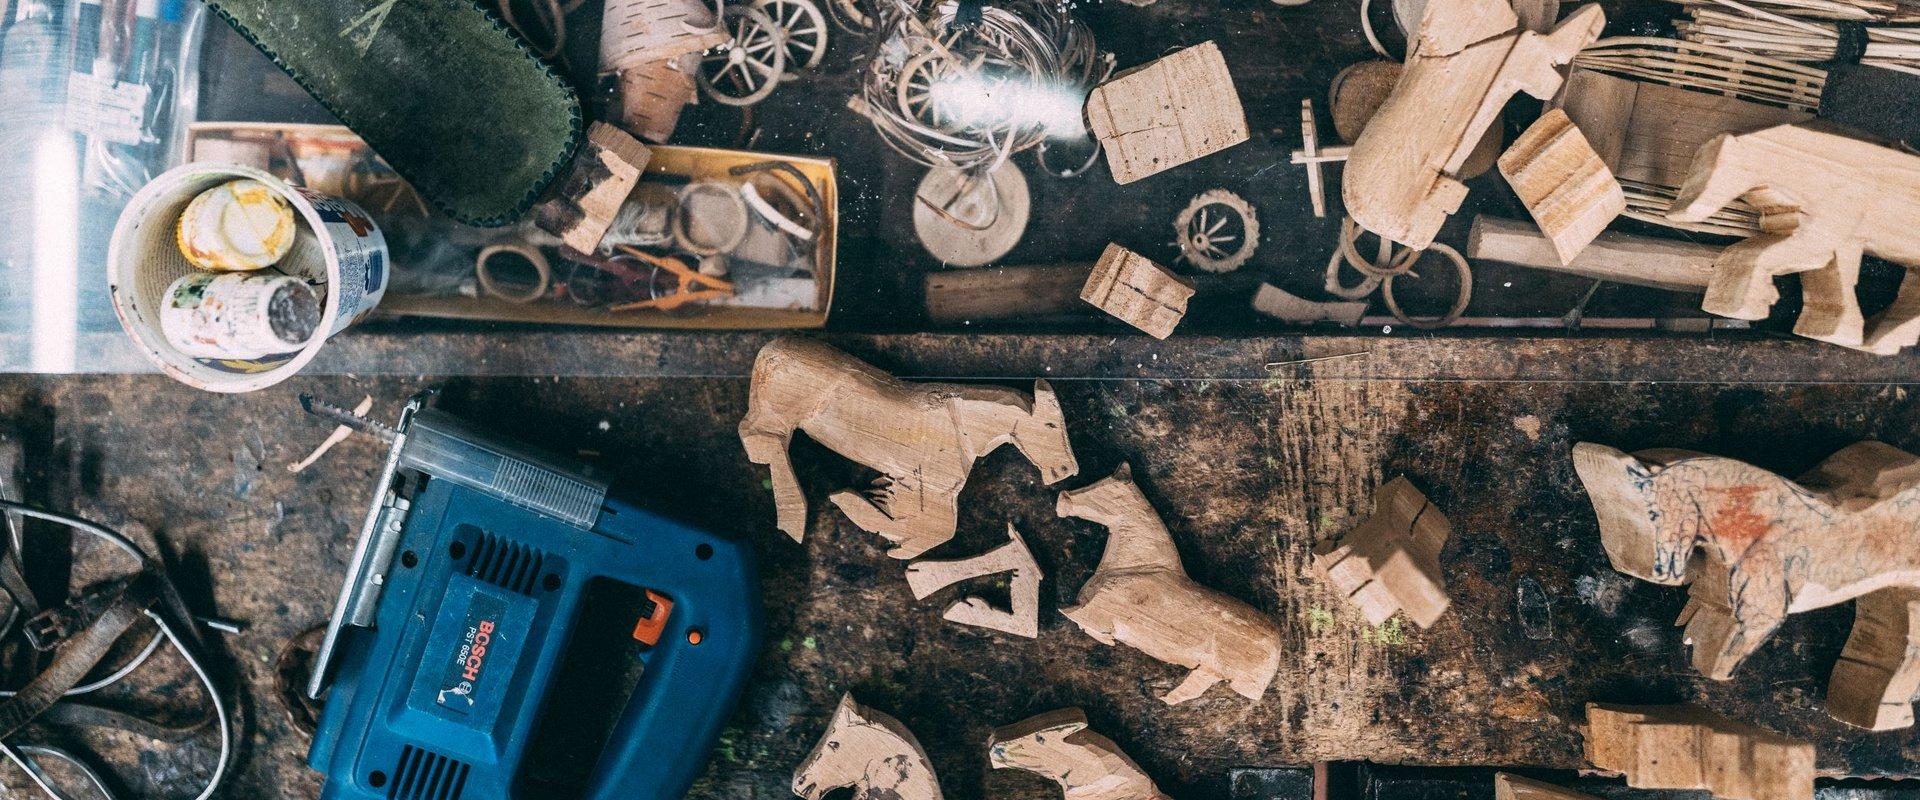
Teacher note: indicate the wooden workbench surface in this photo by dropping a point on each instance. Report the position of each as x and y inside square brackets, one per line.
[1249, 466]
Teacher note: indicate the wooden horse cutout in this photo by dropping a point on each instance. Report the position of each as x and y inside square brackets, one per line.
[1825, 199]
[922, 437]
[869, 751]
[1402, 178]
[1058, 746]
[1141, 596]
[1758, 547]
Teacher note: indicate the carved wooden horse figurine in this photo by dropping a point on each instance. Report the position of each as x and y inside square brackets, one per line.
[1764, 547]
[869, 751]
[922, 437]
[1824, 200]
[1140, 595]
[1402, 179]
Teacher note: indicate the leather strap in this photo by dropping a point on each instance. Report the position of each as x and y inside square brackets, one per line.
[75, 713]
[73, 660]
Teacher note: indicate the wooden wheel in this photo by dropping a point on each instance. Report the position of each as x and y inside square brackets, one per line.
[747, 69]
[805, 29]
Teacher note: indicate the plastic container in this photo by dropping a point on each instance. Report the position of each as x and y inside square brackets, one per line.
[338, 249]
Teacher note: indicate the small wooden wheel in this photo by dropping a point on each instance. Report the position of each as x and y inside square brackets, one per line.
[747, 69]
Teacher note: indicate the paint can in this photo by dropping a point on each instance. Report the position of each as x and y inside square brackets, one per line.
[337, 252]
[238, 316]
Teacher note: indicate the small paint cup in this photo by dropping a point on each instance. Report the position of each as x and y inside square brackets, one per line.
[237, 226]
[338, 252]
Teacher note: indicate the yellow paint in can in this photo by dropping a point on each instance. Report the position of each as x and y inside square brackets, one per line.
[236, 226]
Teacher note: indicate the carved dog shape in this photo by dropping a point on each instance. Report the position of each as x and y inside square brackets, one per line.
[1400, 179]
[922, 437]
[1824, 200]
[1761, 546]
[1141, 596]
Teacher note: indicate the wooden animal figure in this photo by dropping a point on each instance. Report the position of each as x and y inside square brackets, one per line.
[1758, 547]
[1402, 177]
[1140, 595]
[1824, 199]
[1058, 746]
[922, 437]
[869, 751]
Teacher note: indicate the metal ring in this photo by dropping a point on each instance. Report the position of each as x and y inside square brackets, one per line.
[1459, 302]
[514, 292]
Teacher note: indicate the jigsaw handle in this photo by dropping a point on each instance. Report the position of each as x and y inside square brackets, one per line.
[692, 678]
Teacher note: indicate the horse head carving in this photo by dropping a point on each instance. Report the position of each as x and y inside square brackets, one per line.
[869, 751]
[1640, 538]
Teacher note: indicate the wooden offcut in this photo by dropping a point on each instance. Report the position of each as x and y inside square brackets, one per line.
[1671, 264]
[1060, 747]
[1169, 112]
[1140, 596]
[1137, 291]
[1756, 547]
[1391, 562]
[605, 171]
[959, 296]
[1825, 200]
[1286, 306]
[1403, 178]
[872, 753]
[1878, 674]
[1513, 787]
[1012, 559]
[1563, 183]
[922, 438]
[1687, 747]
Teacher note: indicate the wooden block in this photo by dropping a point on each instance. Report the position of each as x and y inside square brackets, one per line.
[605, 170]
[869, 751]
[1167, 113]
[1023, 619]
[1281, 304]
[1686, 747]
[1878, 674]
[1137, 291]
[639, 32]
[1514, 787]
[1670, 264]
[1058, 746]
[1391, 562]
[921, 437]
[1563, 184]
[1826, 199]
[1140, 596]
[653, 94]
[1843, 531]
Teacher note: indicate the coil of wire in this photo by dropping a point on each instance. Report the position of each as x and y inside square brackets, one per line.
[925, 67]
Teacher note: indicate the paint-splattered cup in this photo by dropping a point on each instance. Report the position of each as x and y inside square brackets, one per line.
[337, 250]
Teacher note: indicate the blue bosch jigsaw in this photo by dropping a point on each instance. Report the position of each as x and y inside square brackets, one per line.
[506, 630]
